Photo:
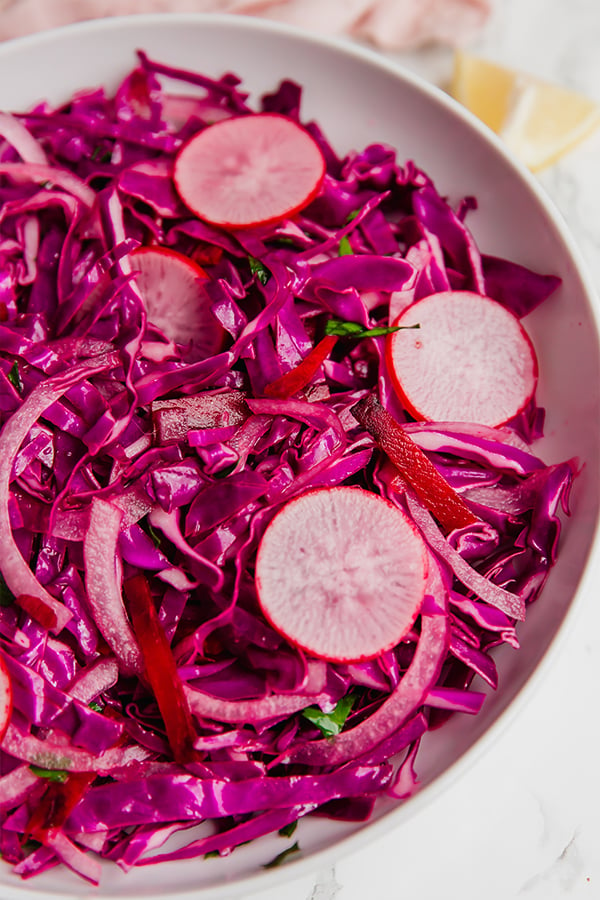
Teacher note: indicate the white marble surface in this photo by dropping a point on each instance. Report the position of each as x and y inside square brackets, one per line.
[525, 820]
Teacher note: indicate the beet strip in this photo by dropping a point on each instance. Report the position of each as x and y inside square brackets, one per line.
[431, 488]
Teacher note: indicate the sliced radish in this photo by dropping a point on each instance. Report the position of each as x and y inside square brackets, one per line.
[341, 573]
[469, 361]
[173, 289]
[249, 170]
[5, 698]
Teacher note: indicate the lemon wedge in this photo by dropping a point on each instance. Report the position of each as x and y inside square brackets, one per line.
[537, 120]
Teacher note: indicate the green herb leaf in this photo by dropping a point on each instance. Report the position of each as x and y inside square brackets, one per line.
[97, 707]
[330, 724]
[257, 268]
[51, 774]
[152, 533]
[281, 857]
[345, 248]
[6, 598]
[101, 156]
[389, 329]
[14, 376]
[344, 329]
[288, 830]
[356, 331]
[212, 854]
[30, 846]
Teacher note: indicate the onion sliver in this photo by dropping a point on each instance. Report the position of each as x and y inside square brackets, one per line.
[103, 583]
[19, 578]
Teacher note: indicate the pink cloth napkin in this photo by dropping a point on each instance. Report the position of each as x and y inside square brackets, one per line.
[390, 24]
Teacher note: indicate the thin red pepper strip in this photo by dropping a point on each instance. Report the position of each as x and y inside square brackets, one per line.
[160, 669]
[431, 488]
[302, 374]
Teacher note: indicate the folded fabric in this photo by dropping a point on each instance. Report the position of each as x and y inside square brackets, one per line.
[389, 24]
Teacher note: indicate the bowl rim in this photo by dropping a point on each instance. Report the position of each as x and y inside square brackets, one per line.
[394, 818]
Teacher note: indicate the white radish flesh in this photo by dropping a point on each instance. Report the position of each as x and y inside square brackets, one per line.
[470, 360]
[176, 301]
[249, 170]
[341, 573]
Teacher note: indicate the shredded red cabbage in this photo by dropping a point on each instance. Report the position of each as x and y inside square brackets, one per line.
[121, 459]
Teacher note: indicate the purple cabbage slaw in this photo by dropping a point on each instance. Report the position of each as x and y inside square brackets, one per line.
[121, 455]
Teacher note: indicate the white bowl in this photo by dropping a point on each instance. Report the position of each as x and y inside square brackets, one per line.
[359, 98]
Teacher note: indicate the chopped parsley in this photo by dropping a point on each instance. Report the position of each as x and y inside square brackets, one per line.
[257, 268]
[153, 534]
[330, 724]
[345, 248]
[288, 830]
[6, 598]
[356, 331]
[281, 857]
[14, 376]
[101, 156]
[56, 775]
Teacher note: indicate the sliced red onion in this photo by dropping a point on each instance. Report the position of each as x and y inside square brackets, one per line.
[95, 841]
[16, 572]
[275, 706]
[103, 583]
[15, 787]
[53, 753]
[59, 177]
[486, 590]
[80, 862]
[18, 136]
[92, 681]
[41, 859]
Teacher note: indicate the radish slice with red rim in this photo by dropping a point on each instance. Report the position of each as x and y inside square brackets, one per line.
[173, 289]
[341, 573]
[470, 360]
[249, 170]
